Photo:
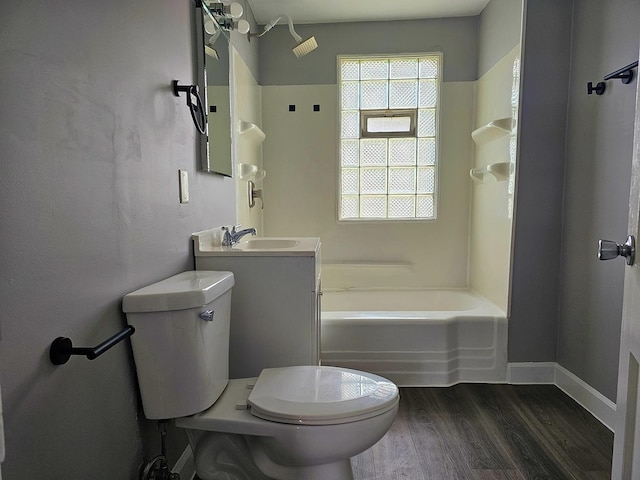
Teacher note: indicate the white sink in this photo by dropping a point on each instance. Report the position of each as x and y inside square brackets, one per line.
[268, 244]
[207, 244]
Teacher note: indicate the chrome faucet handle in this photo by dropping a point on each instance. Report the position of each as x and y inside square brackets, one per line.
[234, 229]
[227, 239]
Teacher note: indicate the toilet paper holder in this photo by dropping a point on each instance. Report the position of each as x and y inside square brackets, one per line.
[62, 348]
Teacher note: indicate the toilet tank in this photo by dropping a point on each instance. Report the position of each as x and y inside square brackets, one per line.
[181, 344]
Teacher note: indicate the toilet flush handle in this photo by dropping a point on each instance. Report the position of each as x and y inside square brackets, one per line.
[207, 315]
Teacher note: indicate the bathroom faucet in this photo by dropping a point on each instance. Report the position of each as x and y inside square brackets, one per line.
[232, 237]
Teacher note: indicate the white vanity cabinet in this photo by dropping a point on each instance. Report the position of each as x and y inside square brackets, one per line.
[275, 318]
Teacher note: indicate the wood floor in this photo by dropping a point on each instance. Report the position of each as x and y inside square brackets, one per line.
[489, 432]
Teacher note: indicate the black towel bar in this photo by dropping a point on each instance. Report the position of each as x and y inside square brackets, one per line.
[625, 74]
[62, 348]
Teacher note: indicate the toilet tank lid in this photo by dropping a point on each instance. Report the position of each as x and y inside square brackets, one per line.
[180, 292]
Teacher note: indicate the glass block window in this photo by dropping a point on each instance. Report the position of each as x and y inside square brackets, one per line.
[388, 137]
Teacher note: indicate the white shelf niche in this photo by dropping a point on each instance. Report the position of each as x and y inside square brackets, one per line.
[251, 132]
[493, 130]
[499, 172]
[247, 171]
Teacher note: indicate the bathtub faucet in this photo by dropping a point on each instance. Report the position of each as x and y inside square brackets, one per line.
[232, 237]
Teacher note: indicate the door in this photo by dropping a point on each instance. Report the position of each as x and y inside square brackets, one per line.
[626, 449]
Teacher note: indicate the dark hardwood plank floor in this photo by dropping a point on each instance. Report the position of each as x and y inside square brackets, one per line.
[489, 432]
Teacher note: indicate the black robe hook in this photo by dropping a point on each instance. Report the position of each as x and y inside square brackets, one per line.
[598, 89]
[197, 109]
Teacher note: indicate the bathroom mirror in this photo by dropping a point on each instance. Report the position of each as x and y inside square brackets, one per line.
[213, 81]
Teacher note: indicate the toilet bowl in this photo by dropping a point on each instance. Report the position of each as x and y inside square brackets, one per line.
[295, 422]
[310, 445]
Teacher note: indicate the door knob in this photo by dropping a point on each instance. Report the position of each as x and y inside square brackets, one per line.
[608, 249]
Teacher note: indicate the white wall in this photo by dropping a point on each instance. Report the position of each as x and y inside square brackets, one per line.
[246, 107]
[300, 152]
[492, 210]
[301, 160]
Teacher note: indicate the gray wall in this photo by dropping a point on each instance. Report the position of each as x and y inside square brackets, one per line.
[452, 36]
[499, 30]
[535, 285]
[573, 186]
[91, 142]
[596, 190]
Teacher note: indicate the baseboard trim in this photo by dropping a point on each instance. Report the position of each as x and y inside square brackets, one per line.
[593, 401]
[552, 373]
[184, 465]
[528, 373]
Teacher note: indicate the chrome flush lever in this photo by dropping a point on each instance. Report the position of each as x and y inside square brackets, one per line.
[608, 249]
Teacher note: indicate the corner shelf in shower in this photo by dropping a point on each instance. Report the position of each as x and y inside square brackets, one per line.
[493, 130]
[248, 171]
[499, 171]
[251, 132]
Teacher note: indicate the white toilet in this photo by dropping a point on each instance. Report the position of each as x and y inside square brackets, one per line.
[295, 423]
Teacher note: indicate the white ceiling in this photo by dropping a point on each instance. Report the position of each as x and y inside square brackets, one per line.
[331, 11]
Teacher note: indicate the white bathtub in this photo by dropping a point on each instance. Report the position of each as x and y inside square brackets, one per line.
[415, 337]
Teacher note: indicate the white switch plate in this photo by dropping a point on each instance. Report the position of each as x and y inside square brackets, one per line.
[184, 186]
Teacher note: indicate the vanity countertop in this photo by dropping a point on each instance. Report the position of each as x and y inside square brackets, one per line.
[207, 244]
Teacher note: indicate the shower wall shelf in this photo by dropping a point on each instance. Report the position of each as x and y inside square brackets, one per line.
[251, 132]
[493, 130]
[246, 171]
[499, 171]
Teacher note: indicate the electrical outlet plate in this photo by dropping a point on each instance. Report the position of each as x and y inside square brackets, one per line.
[184, 186]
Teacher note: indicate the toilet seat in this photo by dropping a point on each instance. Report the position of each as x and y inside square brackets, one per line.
[313, 395]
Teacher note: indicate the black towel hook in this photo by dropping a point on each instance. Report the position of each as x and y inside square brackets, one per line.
[197, 109]
[62, 348]
[598, 89]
